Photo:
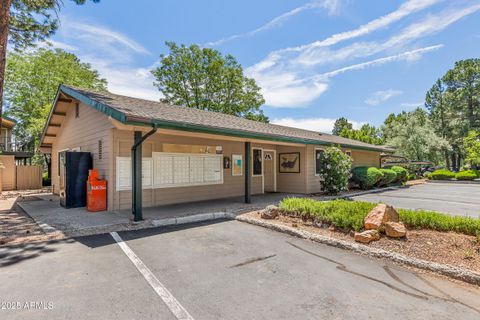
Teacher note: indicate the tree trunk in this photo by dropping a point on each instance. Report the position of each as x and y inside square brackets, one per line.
[447, 160]
[4, 19]
[454, 161]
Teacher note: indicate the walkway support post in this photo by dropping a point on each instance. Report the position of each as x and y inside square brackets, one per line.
[248, 176]
[137, 173]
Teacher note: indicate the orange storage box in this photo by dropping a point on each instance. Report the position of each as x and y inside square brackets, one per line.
[96, 192]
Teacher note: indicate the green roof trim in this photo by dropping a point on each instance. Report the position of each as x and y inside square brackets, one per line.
[235, 133]
[135, 120]
[109, 111]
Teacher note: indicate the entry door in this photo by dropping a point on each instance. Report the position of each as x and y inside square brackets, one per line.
[269, 171]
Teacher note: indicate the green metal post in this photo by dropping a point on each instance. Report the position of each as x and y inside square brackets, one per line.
[248, 176]
[137, 177]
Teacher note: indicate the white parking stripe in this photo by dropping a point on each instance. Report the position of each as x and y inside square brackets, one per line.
[175, 307]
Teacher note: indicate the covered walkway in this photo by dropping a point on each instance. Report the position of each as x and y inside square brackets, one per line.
[47, 212]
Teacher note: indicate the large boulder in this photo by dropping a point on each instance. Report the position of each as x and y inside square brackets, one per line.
[380, 215]
[395, 230]
[367, 236]
[270, 212]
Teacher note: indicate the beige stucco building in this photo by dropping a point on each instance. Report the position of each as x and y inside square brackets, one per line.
[192, 155]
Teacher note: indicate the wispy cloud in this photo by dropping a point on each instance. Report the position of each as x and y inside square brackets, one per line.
[106, 35]
[304, 66]
[381, 96]
[312, 55]
[410, 105]
[408, 56]
[289, 90]
[112, 53]
[404, 10]
[314, 124]
[330, 5]
[61, 45]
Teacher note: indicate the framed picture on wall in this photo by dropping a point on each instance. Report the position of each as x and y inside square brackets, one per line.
[237, 165]
[289, 162]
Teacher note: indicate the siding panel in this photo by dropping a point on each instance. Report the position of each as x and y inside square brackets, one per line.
[84, 132]
[232, 186]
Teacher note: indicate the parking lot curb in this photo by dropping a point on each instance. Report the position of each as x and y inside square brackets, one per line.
[360, 193]
[147, 224]
[454, 181]
[453, 272]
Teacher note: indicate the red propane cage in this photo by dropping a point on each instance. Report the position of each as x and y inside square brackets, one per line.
[96, 192]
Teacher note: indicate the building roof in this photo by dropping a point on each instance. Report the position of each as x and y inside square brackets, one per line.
[8, 122]
[134, 111]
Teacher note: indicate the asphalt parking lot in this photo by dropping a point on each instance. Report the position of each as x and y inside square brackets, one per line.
[454, 199]
[225, 270]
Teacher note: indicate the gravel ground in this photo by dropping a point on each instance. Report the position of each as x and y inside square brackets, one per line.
[448, 248]
[16, 227]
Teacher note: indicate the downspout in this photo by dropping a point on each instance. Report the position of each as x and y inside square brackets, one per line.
[137, 173]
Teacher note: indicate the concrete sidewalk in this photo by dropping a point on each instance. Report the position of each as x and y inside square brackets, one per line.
[45, 209]
[51, 217]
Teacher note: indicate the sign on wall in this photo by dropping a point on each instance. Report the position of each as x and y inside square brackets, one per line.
[237, 165]
[289, 162]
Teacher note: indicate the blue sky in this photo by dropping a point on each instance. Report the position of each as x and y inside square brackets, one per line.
[315, 60]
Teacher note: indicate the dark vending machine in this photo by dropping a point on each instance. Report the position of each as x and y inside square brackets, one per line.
[73, 169]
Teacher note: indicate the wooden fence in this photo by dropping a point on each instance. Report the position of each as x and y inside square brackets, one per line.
[29, 177]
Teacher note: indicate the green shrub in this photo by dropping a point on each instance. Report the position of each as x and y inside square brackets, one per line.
[421, 219]
[46, 182]
[349, 215]
[441, 174]
[402, 173]
[467, 175]
[389, 176]
[412, 176]
[343, 214]
[366, 177]
[335, 170]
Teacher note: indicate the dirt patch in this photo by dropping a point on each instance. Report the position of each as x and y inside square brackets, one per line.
[4, 195]
[447, 248]
[416, 182]
[17, 227]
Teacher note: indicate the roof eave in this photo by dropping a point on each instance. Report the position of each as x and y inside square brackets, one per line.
[139, 121]
[136, 121]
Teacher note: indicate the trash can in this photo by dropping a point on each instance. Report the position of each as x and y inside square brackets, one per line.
[96, 192]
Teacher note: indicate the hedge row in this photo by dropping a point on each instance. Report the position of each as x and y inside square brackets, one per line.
[368, 177]
[349, 215]
[468, 175]
[444, 174]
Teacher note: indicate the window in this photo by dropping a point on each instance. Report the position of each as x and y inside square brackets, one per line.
[61, 160]
[77, 110]
[318, 160]
[257, 162]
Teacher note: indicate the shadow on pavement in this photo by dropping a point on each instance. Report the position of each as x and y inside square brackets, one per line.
[106, 239]
[13, 254]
